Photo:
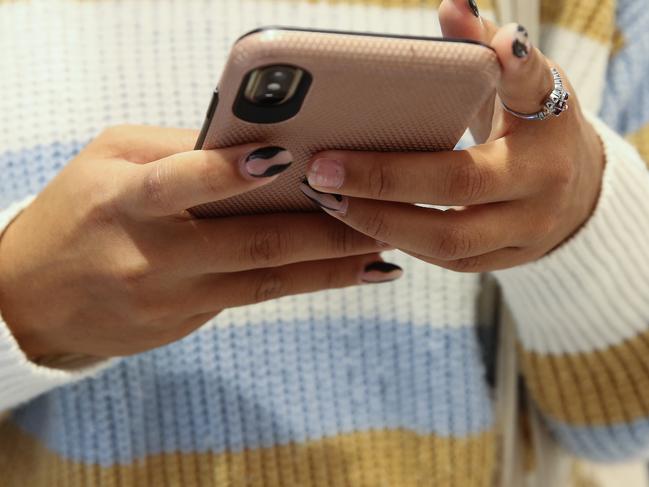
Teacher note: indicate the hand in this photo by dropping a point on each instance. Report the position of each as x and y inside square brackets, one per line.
[106, 261]
[518, 196]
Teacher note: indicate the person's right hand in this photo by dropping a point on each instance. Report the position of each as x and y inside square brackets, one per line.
[107, 262]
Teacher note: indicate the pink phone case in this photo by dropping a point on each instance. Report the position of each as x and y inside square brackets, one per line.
[368, 92]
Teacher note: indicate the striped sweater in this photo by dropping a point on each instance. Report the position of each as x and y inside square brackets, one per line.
[373, 386]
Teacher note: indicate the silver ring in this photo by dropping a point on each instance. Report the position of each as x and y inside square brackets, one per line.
[554, 105]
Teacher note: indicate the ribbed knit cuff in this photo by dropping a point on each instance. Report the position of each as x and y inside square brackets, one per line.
[21, 379]
[593, 291]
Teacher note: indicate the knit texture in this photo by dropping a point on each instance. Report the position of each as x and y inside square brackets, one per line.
[371, 386]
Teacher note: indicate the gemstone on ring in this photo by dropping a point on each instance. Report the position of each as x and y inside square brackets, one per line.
[555, 104]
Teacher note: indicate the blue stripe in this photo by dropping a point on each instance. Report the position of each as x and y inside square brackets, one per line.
[626, 100]
[27, 171]
[618, 442]
[249, 386]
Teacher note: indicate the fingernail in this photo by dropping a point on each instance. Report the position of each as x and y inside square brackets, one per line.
[326, 173]
[380, 271]
[474, 8]
[328, 201]
[267, 162]
[521, 46]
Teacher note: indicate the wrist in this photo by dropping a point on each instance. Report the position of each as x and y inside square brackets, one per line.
[34, 342]
[30, 341]
[589, 179]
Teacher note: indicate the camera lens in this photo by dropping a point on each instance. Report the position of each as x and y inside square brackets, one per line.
[273, 85]
[279, 75]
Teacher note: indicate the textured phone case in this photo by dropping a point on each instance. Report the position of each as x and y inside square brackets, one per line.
[368, 93]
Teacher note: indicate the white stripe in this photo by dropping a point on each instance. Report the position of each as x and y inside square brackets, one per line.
[585, 60]
[70, 69]
[593, 292]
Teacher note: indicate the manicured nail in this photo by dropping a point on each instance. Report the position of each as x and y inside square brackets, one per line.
[267, 162]
[328, 201]
[474, 8]
[326, 173]
[380, 271]
[521, 46]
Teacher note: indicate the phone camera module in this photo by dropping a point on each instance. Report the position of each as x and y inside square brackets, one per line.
[272, 93]
[273, 85]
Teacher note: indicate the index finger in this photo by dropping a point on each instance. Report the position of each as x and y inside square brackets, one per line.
[482, 174]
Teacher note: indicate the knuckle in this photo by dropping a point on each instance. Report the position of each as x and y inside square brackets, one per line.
[111, 133]
[113, 140]
[452, 243]
[101, 215]
[562, 171]
[343, 240]
[137, 283]
[544, 225]
[270, 285]
[115, 133]
[380, 181]
[332, 278]
[134, 274]
[467, 183]
[467, 265]
[268, 246]
[376, 226]
[102, 205]
[155, 188]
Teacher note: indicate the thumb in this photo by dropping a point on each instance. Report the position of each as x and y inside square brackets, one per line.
[171, 185]
[527, 79]
[461, 19]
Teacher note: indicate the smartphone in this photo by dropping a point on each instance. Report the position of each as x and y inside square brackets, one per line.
[312, 90]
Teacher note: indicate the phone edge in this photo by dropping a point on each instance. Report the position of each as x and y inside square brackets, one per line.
[215, 96]
[364, 34]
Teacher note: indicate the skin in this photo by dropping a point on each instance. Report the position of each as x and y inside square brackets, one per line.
[106, 262]
[523, 192]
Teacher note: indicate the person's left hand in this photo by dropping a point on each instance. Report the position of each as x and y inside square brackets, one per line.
[516, 197]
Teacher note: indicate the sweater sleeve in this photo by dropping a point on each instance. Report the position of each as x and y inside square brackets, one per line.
[583, 319]
[21, 379]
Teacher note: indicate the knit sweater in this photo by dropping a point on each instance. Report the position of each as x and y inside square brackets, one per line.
[372, 386]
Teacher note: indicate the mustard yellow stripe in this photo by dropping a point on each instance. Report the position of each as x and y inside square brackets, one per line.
[592, 389]
[592, 18]
[640, 139]
[382, 3]
[395, 458]
[619, 42]
[482, 4]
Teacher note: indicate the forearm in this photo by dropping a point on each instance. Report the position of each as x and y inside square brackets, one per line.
[583, 319]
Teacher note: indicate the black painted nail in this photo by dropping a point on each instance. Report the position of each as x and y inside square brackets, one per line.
[380, 271]
[521, 45]
[474, 7]
[328, 201]
[267, 162]
[522, 30]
